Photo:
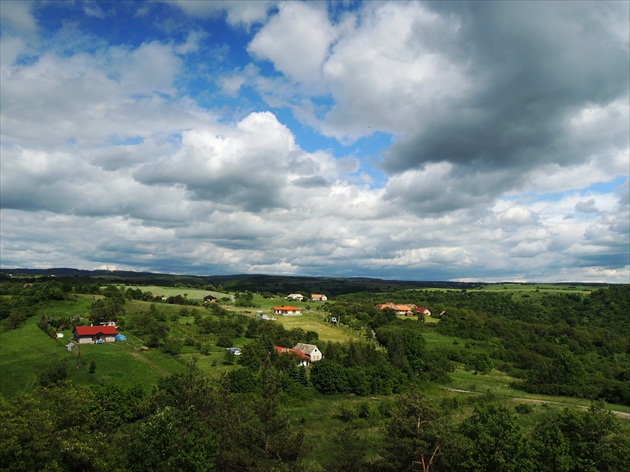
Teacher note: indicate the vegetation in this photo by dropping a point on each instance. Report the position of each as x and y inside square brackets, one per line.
[488, 386]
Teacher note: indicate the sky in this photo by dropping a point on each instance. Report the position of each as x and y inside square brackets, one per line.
[464, 141]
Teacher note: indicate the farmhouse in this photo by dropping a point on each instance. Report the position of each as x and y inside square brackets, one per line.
[424, 310]
[406, 310]
[91, 334]
[311, 350]
[209, 299]
[318, 297]
[295, 296]
[287, 310]
[303, 359]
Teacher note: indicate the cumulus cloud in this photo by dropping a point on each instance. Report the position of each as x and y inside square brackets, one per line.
[238, 13]
[296, 40]
[509, 125]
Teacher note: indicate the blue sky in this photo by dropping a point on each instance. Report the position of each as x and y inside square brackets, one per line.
[409, 140]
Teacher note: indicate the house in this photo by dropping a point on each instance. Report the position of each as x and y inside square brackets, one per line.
[406, 310]
[234, 350]
[209, 299]
[108, 323]
[299, 356]
[287, 310]
[424, 310]
[318, 297]
[92, 334]
[295, 296]
[310, 350]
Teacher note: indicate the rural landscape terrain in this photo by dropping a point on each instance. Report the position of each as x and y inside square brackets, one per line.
[210, 373]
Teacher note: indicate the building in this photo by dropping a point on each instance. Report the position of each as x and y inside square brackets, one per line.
[295, 296]
[311, 350]
[209, 299]
[318, 297]
[406, 310]
[299, 356]
[92, 334]
[424, 310]
[287, 310]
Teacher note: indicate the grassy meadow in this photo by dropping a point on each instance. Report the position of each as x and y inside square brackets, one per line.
[27, 351]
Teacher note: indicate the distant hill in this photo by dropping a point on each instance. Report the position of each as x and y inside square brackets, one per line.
[330, 286]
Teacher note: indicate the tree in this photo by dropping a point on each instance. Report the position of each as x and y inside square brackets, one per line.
[571, 440]
[172, 439]
[329, 377]
[348, 450]
[495, 441]
[420, 436]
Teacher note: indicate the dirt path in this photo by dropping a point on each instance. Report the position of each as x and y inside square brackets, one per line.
[161, 370]
[536, 400]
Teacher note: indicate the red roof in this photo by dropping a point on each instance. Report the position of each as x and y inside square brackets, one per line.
[286, 308]
[93, 330]
[295, 352]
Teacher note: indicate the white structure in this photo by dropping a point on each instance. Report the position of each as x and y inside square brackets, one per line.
[310, 350]
[318, 297]
[287, 311]
[295, 296]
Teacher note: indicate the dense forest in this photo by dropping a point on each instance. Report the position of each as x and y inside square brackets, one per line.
[388, 413]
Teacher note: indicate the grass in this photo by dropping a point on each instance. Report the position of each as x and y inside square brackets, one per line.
[498, 384]
[190, 293]
[28, 351]
[24, 353]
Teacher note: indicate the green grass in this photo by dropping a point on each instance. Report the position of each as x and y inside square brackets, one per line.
[190, 293]
[498, 383]
[28, 351]
[24, 353]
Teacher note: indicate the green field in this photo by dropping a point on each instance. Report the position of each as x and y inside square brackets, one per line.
[190, 293]
[28, 351]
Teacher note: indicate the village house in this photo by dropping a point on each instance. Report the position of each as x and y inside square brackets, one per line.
[295, 296]
[209, 299]
[424, 310]
[407, 310]
[287, 310]
[318, 297]
[93, 334]
[299, 356]
[311, 350]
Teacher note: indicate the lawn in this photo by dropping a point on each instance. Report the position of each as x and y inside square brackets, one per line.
[498, 383]
[24, 353]
[190, 293]
[28, 351]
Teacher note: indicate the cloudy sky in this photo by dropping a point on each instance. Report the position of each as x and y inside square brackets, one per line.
[407, 140]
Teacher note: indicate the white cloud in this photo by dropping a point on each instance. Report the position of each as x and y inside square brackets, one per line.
[109, 159]
[242, 12]
[385, 73]
[17, 18]
[296, 40]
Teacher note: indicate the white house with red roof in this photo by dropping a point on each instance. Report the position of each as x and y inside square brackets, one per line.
[311, 350]
[287, 310]
[91, 334]
[318, 297]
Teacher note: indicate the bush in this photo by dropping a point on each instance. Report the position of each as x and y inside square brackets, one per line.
[225, 341]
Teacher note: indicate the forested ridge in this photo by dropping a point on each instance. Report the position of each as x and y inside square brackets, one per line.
[371, 404]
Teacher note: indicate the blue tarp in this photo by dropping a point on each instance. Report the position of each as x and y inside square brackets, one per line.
[121, 337]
